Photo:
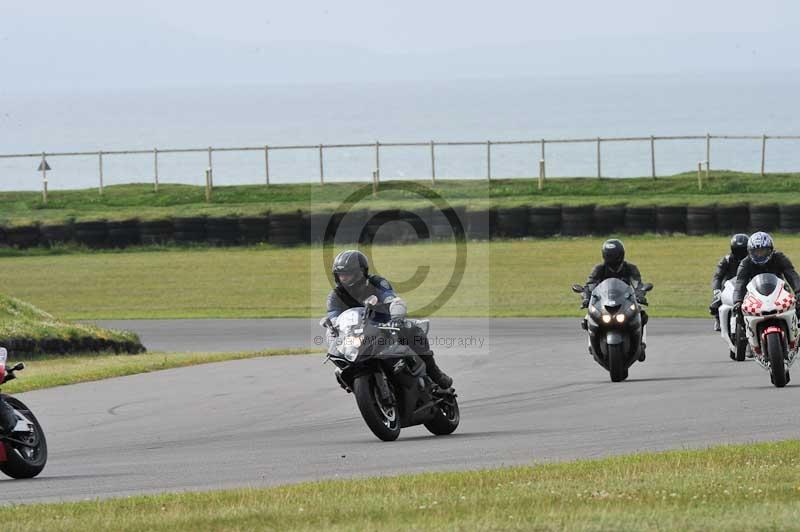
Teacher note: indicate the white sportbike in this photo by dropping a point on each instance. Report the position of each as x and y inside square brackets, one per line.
[770, 322]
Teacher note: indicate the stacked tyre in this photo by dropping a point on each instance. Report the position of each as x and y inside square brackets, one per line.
[286, 229]
[512, 222]
[640, 220]
[670, 219]
[223, 230]
[790, 218]
[23, 236]
[733, 219]
[123, 233]
[190, 229]
[544, 221]
[609, 219]
[254, 229]
[55, 234]
[764, 218]
[478, 224]
[577, 221]
[93, 234]
[157, 232]
[701, 220]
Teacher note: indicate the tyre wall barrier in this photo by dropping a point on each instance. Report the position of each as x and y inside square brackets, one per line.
[544, 221]
[398, 225]
[189, 229]
[790, 218]
[223, 231]
[287, 229]
[23, 236]
[156, 231]
[764, 218]
[56, 234]
[671, 219]
[92, 234]
[639, 220]
[22, 346]
[609, 219]
[124, 233]
[701, 220]
[512, 222]
[732, 219]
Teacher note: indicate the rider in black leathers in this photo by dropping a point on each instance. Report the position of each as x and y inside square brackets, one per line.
[354, 285]
[726, 269]
[762, 258]
[614, 266]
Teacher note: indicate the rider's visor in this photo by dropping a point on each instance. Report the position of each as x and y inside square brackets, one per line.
[346, 277]
[761, 253]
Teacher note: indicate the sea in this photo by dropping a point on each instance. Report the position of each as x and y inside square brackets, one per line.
[479, 110]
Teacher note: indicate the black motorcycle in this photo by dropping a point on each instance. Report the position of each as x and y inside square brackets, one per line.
[389, 380]
[614, 323]
[23, 450]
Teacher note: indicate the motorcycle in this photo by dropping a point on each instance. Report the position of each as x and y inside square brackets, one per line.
[389, 381]
[614, 324]
[770, 321]
[23, 451]
[732, 326]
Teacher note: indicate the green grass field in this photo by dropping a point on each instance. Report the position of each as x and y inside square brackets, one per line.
[746, 487]
[139, 201]
[48, 371]
[505, 278]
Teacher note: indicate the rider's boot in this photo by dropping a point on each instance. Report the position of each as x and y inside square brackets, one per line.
[8, 419]
[436, 374]
[717, 327]
[643, 347]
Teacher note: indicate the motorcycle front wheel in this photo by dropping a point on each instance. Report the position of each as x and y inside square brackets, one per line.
[616, 363]
[26, 459]
[446, 420]
[383, 420]
[776, 353]
[740, 341]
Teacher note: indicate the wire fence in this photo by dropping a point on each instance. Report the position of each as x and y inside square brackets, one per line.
[540, 145]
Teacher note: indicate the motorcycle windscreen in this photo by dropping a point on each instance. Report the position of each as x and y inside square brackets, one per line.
[612, 293]
[766, 283]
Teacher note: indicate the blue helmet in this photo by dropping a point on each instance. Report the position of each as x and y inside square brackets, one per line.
[760, 248]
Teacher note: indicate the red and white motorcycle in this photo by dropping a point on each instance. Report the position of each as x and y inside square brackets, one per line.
[770, 322]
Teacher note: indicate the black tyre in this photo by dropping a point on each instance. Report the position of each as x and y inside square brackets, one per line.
[740, 341]
[446, 420]
[775, 353]
[382, 420]
[616, 363]
[25, 461]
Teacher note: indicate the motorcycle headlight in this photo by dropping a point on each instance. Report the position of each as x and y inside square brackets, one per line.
[606, 318]
[620, 318]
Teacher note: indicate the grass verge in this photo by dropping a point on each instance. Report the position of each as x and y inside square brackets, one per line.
[25, 328]
[502, 278]
[139, 201]
[49, 371]
[743, 487]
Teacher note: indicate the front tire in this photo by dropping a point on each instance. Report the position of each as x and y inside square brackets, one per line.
[740, 341]
[776, 354]
[382, 420]
[21, 461]
[446, 420]
[616, 363]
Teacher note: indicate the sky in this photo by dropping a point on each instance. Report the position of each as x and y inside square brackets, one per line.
[90, 44]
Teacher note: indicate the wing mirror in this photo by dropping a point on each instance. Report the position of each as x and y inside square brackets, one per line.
[371, 301]
[646, 287]
[578, 289]
[328, 324]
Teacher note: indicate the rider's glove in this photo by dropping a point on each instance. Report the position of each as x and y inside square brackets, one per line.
[717, 292]
[398, 323]
[585, 303]
[737, 307]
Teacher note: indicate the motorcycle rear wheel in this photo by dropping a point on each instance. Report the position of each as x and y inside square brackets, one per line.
[616, 363]
[21, 461]
[383, 421]
[776, 354]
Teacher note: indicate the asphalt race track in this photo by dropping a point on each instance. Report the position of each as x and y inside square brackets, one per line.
[530, 393]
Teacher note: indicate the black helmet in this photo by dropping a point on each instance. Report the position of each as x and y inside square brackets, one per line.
[613, 253]
[760, 248]
[739, 246]
[350, 267]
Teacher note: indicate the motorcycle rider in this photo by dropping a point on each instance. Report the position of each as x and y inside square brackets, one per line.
[726, 269]
[762, 258]
[354, 285]
[614, 266]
